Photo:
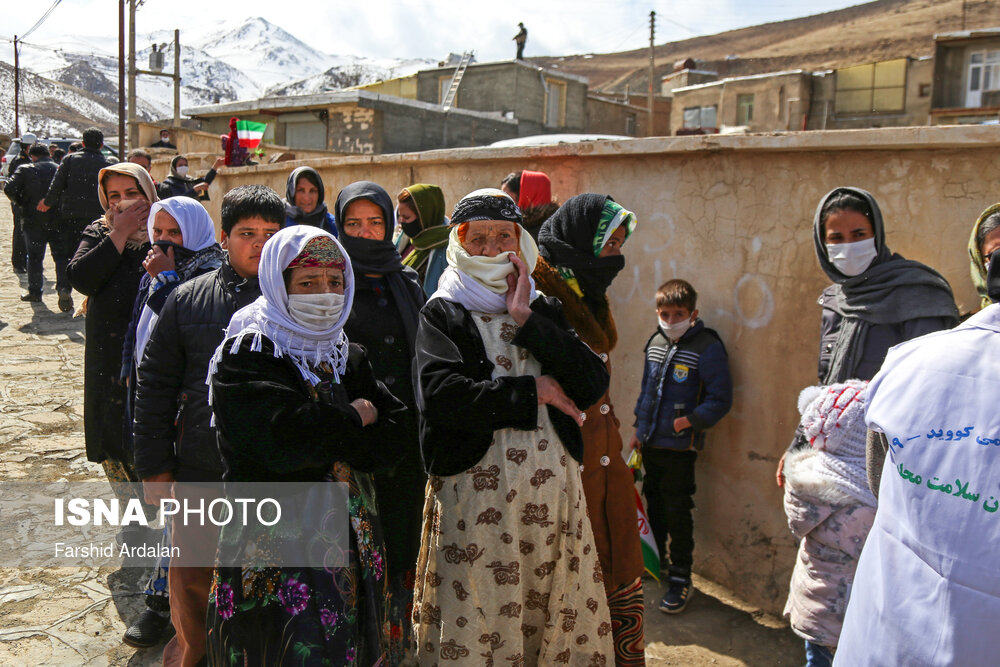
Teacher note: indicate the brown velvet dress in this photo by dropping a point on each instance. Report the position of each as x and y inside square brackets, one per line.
[607, 482]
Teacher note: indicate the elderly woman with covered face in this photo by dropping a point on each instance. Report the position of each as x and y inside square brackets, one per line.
[508, 571]
[295, 401]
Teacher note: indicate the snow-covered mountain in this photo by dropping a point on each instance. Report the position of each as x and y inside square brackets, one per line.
[220, 62]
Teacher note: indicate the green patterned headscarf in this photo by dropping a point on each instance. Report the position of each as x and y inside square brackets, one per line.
[613, 216]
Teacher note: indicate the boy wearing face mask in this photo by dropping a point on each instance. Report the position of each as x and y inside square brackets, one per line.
[175, 440]
[686, 388]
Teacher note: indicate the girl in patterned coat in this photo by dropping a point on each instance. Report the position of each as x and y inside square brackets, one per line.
[830, 509]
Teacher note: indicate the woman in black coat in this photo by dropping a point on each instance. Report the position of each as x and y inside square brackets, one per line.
[107, 268]
[387, 302]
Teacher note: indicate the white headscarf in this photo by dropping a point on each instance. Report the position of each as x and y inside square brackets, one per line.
[197, 228]
[197, 234]
[480, 283]
[268, 315]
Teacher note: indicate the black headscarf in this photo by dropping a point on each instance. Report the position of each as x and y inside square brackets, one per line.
[317, 216]
[369, 256]
[567, 240]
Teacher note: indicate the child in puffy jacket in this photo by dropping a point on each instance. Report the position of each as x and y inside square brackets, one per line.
[686, 388]
[830, 509]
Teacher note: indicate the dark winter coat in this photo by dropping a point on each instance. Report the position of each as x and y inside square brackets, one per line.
[74, 188]
[460, 402]
[27, 187]
[376, 323]
[607, 481]
[274, 427]
[172, 427]
[689, 378]
[877, 341]
[110, 281]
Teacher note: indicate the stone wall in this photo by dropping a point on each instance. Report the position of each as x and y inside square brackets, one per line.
[733, 215]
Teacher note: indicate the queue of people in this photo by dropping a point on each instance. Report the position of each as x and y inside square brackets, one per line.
[407, 354]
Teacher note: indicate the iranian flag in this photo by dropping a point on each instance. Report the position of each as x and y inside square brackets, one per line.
[250, 133]
[650, 554]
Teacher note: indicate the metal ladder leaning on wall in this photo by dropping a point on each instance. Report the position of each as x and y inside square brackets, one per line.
[456, 80]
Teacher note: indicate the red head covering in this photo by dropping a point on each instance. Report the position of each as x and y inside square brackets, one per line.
[536, 189]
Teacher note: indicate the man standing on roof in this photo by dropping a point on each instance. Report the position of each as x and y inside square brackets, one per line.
[521, 37]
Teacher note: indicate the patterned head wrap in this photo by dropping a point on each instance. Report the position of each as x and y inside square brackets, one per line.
[486, 204]
[320, 252]
[613, 216]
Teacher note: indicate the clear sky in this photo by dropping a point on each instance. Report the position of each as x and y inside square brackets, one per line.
[425, 28]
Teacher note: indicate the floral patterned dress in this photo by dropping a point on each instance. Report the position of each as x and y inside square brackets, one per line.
[508, 572]
[304, 616]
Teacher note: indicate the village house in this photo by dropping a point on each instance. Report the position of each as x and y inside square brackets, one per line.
[966, 77]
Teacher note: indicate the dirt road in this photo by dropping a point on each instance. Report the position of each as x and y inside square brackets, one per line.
[74, 616]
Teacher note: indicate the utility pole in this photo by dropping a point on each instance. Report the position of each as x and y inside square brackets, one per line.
[652, 68]
[121, 80]
[177, 78]
[133, 130]
[17, 91]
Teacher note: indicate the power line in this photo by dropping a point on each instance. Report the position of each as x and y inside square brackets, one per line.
[42, 20]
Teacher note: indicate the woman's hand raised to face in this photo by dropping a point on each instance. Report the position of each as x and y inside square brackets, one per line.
[128, 222]
[157, 261]
[518, 291]
[550, 393]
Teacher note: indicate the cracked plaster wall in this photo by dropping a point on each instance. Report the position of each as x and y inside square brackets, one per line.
[734, 217]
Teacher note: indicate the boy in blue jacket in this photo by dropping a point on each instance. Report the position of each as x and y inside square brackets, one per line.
[686, 388]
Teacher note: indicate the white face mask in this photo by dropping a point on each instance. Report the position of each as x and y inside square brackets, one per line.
[316, 312]
[852, 259]
[182, 171]
[674, 331]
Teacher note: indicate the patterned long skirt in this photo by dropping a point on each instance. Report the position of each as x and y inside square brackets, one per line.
[508, 572]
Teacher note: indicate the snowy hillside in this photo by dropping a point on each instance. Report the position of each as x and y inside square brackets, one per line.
[49, 108]
[220, 62]
[352, 72]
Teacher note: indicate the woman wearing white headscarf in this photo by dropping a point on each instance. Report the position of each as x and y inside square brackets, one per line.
[507, 570]
[294, 401]
[184, 246]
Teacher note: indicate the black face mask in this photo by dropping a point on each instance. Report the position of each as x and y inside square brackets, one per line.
[180, 252]
[993, 277]
[411, 229]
